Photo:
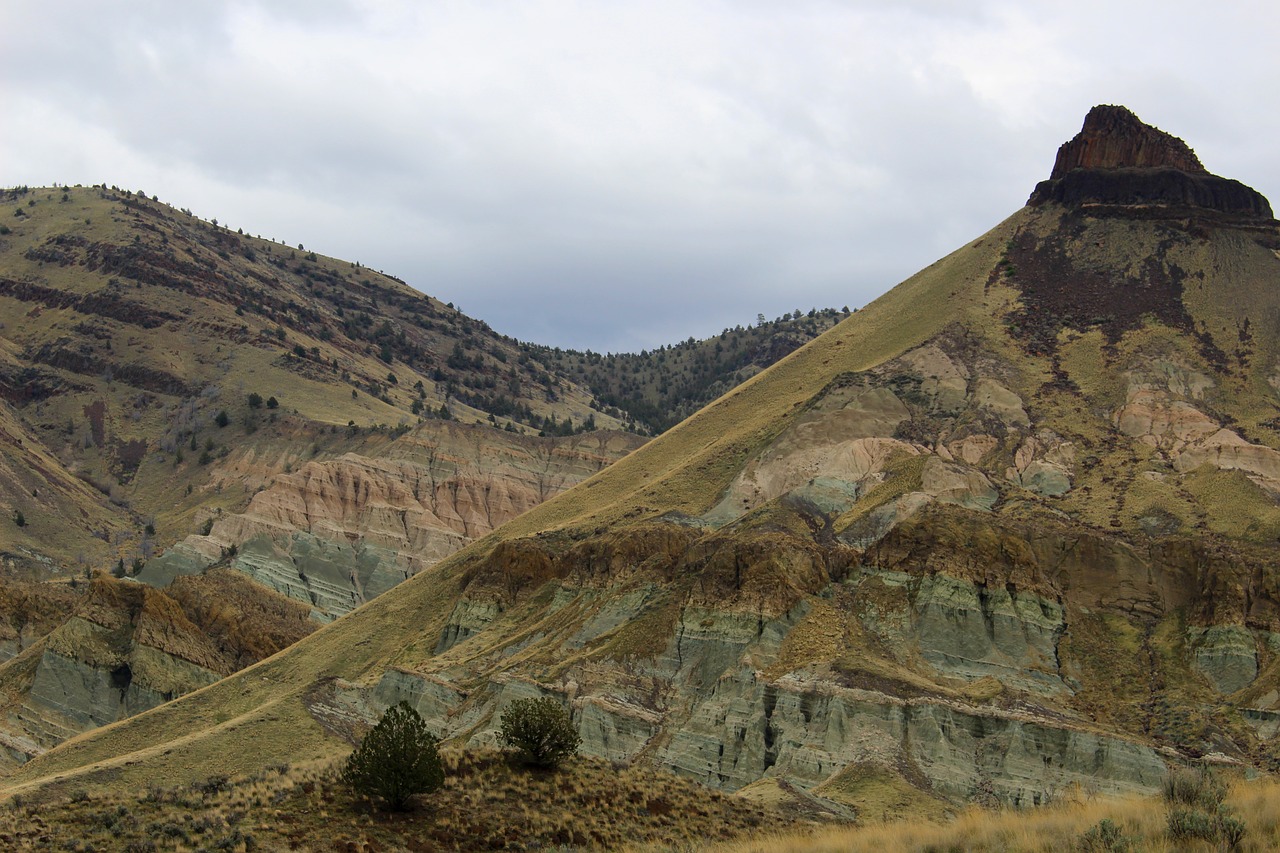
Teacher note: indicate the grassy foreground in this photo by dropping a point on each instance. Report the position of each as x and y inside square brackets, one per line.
[488, 803]
[1073, 824]
[485, 804]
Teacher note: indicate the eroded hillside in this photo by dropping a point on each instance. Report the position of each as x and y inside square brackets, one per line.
[162, 376]
[1007, 530]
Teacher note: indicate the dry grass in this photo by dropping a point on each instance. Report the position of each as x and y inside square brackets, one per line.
[486, 804]
[1059, 827]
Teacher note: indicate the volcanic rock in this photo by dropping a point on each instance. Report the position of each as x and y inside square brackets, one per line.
[1117, 160]
[1114, 138]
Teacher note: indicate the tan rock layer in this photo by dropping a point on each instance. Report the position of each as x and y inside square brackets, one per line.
[429, 495]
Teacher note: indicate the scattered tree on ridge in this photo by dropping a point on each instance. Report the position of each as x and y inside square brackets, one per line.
[397, 760]
[541, 730]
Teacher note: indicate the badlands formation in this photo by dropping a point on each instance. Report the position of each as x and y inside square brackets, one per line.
[1008, 530]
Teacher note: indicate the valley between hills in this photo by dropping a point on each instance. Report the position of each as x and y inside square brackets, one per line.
[1004, 538]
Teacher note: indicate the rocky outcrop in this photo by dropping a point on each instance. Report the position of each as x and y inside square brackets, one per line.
[1227, 655]
[1116, 160]
[1160, 410]
[129, 648]
[70, 694]
[734, 696]
[1160, 189]
[1114, 138]
[860, 434]
[337, 533]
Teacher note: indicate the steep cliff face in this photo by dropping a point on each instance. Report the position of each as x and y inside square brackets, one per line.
[1113, 138]
[338, 532]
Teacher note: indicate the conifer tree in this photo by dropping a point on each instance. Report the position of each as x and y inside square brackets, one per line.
[396, 760]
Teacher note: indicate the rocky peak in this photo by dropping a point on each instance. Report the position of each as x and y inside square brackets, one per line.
[1114, 138]
[1118, 165]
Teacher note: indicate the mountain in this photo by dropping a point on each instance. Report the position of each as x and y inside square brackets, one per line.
[177, 399]
[162, 380]
[1007, 530]
[172, 366]
[657, 389]
[157, 370]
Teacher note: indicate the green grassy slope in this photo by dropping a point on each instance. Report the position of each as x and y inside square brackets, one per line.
[257, 715]
[1073, 349]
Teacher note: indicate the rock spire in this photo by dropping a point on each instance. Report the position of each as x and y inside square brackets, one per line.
[1117, 164]
[1114, 138]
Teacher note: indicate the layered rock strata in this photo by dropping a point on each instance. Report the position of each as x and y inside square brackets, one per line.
[339, 532]
[1117, 161]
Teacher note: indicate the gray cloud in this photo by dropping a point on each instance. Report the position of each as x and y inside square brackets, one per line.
[618, 175]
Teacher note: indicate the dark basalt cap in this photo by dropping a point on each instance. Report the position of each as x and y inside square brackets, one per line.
[1116, 161]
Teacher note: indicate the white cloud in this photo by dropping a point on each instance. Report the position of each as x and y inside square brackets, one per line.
[618, 175]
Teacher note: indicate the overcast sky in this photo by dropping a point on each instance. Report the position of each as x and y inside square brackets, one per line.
[617, 175]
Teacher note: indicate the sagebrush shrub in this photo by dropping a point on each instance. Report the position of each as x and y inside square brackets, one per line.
[1104, 837]
[1198, 809]
[1197, 789]
[1188, 824]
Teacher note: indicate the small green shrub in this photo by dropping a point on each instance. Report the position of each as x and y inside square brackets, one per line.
[1104, 837]
[397, 760]
[1231, 830]
[1196, 789]
[541, 730]
[1190, 824]
[1197, 809]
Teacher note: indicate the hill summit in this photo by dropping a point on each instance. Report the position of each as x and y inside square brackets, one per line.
[1114, 138]
[1117, 160]
[1007, 530]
